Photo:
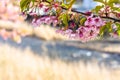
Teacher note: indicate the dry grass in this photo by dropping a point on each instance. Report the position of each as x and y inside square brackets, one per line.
[48, 33]
[43, 32]
[16, 64]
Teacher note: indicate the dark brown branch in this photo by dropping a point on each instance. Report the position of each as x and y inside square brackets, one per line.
[105, 17]
[114, 19]
[73, 10]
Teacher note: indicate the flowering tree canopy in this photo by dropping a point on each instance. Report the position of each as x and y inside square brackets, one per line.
[104, 19]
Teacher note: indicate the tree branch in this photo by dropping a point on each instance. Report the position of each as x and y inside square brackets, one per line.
[105, 17]
[114, 19]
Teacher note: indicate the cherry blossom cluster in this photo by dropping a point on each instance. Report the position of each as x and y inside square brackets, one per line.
[83, 26]
[43, 9]
[49, 20]
[90, 30]
[9, 11]
[107, 11]
[86, 32]
[45, 13]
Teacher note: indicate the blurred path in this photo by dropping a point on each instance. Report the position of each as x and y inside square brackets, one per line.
[72, 51]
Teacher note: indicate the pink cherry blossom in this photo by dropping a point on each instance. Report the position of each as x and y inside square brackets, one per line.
[45, 20]
[94, 21]
[98, 22]
[2, 6]
[89, 21]
[9, 11]
[59, 31]
[88, 33]
[41, 5]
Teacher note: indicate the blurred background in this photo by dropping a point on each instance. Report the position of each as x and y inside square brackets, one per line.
[45, 55]
[84, 5]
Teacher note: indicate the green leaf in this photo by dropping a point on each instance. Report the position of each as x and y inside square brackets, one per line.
[82, 21]
[68, 3]
[118, 28]
[64, 18]
[118, 31]
[98, 8]
[24, 4]
[49, 0]
[106, 29]
[115, 9]
[64, 5]
[118, 25]
[71, 3]
[109, 27]
[33, 0]
[102, 30]
[113, 1]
